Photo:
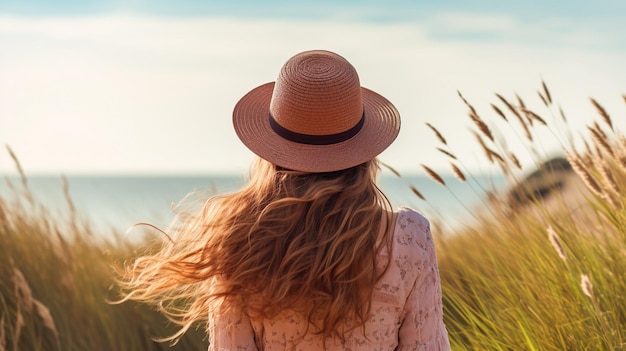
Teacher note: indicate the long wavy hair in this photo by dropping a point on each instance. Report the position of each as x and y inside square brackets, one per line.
[288, 240]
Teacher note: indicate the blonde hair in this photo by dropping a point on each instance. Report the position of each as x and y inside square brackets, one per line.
[287, 241]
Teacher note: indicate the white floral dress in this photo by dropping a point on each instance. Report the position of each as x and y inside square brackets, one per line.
[406, 309]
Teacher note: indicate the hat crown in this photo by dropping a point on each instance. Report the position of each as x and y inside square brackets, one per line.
[317, 93]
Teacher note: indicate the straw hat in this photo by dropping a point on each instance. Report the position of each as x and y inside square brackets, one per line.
[316, 117]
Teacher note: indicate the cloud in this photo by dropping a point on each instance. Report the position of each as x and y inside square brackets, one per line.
[126, 93]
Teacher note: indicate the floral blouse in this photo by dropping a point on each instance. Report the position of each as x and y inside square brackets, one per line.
[406, 309]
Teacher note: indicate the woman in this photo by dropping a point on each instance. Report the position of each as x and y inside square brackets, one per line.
[309, 255]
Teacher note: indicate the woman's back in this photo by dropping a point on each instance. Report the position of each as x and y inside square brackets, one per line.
[406, 306]
[308, 255]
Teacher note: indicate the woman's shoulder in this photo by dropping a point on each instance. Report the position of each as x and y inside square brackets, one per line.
[412, 228]
[409, 218]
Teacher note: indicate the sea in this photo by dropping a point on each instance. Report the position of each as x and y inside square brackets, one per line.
[114, 204]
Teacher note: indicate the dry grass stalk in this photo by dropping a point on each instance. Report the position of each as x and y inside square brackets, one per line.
[586, 286]
[486, 150]
[3, 335]
[605, 116]
[543, 99]
[416, 192]
[622, 162]
[482, 126]
[491, 155]
[504, 166]
[611, 199]
[497, 156]
[26, 193]
[457, 172]
[393, 170]
[611, 192]
[562, 114]
[546, 92]
[472, 109]
[64, 253]
[622, 141]
[515, 160]
[520, 101]
[598, 151]
[596, 126]
[492, 198]
[518, 115]
[556, 243]
[508, 105]
[584, 174]
[531, 115]
[19, 324]
[62, 250]
[18, 165]
[447, 153]
[588, 151]
[522, 107]
[433, 175]
[439, 136]
[68, 197]
[3, 214]
[46, 317]
[601, 141]
[608, 177]
[22, 290]
[621, 154]
[499, 112]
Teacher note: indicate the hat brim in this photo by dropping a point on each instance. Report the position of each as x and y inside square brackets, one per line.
[251, 122]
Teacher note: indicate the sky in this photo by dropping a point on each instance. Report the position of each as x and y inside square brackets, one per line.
[148, 87]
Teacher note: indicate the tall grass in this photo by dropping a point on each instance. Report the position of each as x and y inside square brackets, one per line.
[544, 268]
[548, 272]
[55, 280]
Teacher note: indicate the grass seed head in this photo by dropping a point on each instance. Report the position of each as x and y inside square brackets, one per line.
[584, 174]
[393, 170]
[46, 317]
[417, 192]
[556, 243]
[605, 116]
[509, 105]
[601, 141]
[472, 109]
[437, 134]
[533, 116]
[543, 99]
[607, 176]
[433, 175]
[546, 92]
[447, 153]
[482, 126]
[518, 115]
[515, 160]
[22, 290]
[586, 286]
[457, 172]
[562, 114]
[499, 112]
[486, 150]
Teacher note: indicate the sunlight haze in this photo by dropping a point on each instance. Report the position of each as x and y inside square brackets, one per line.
[136, 88]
